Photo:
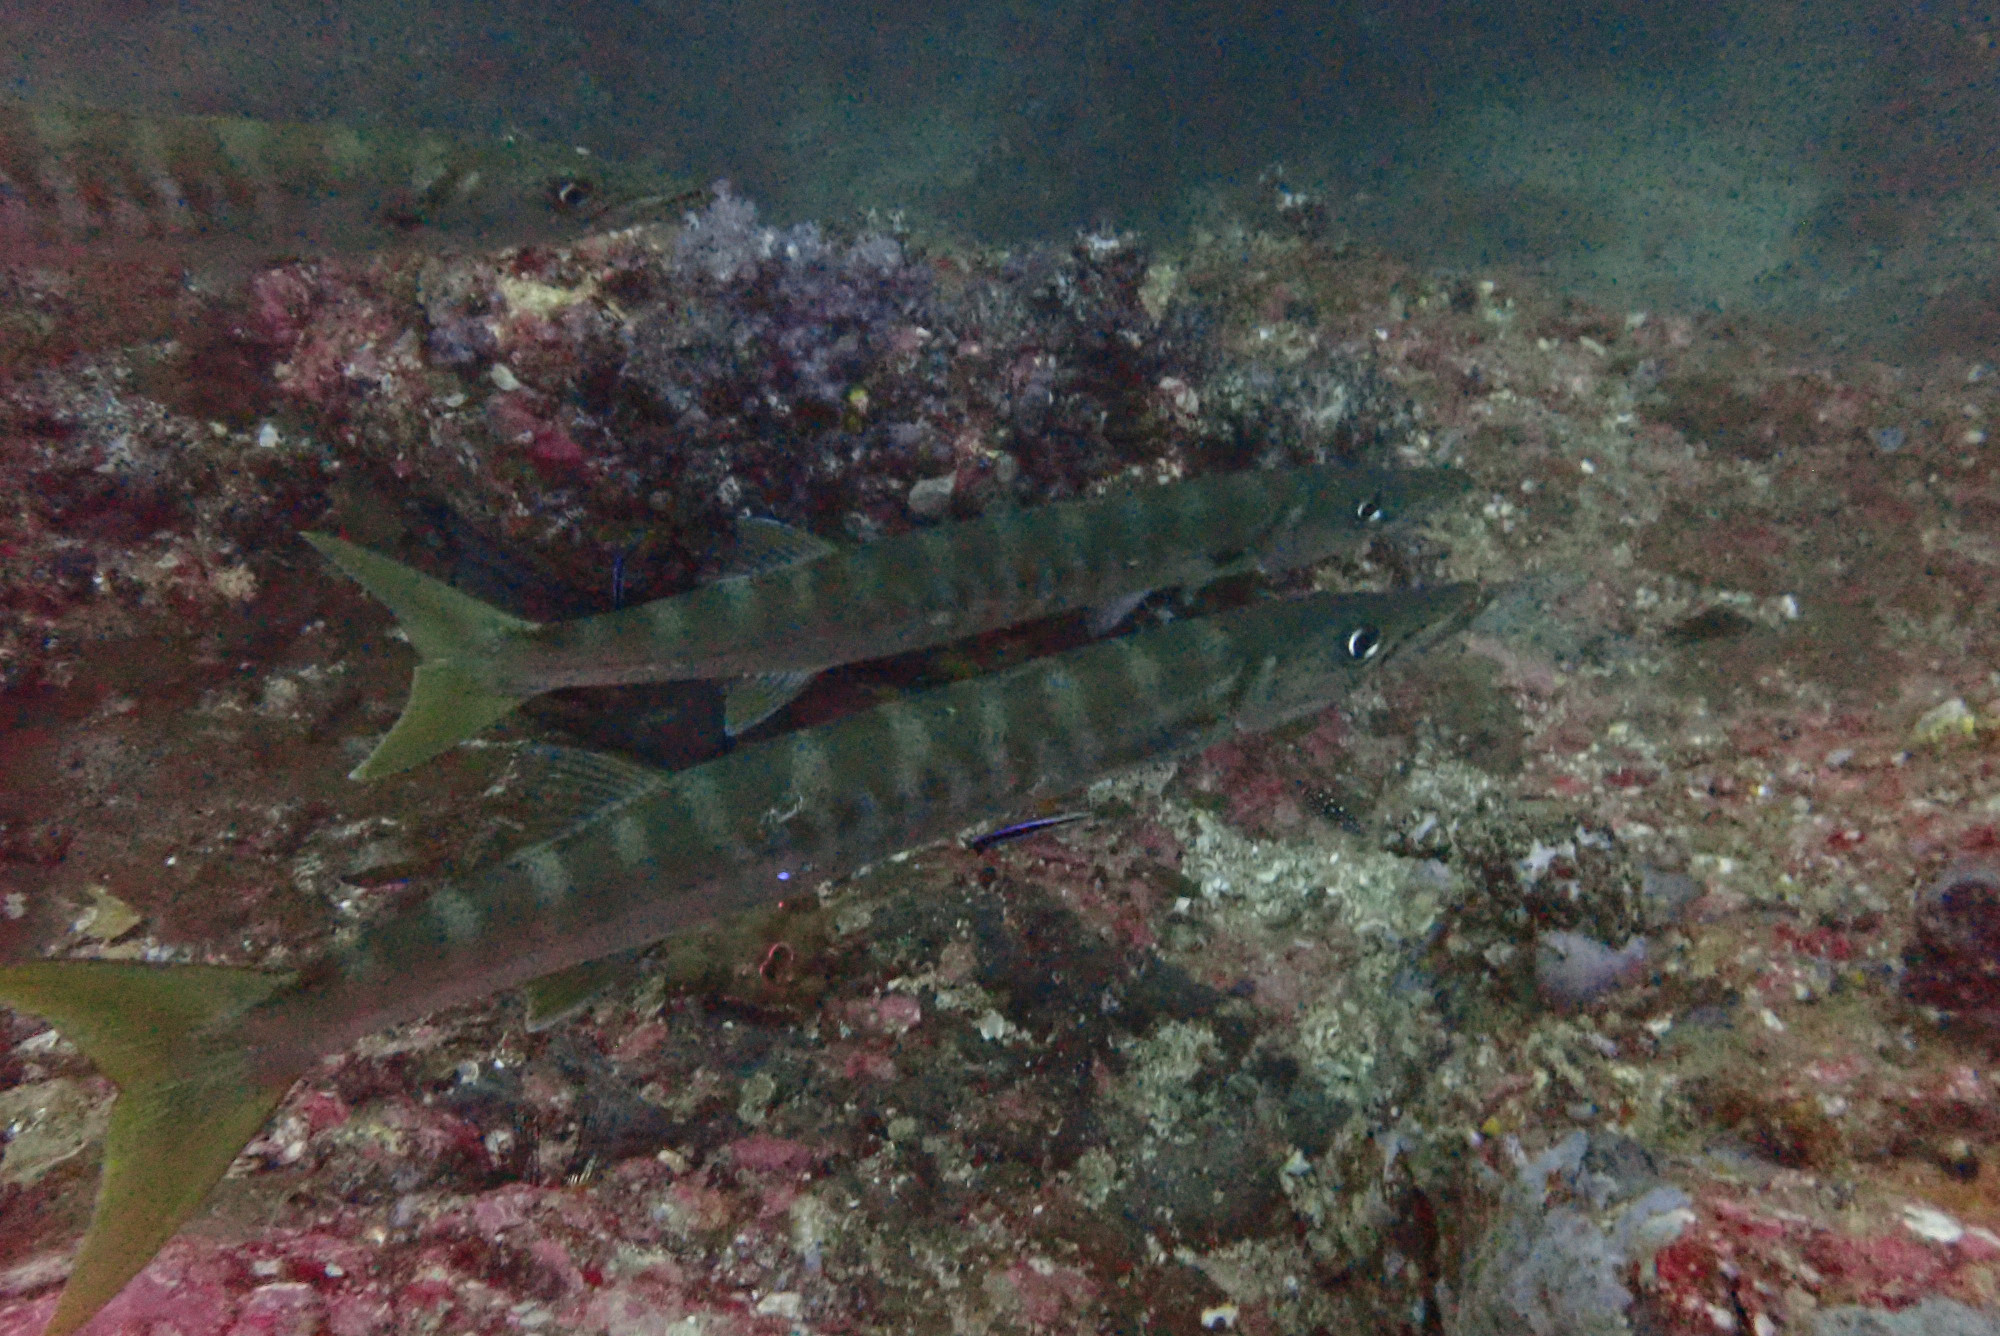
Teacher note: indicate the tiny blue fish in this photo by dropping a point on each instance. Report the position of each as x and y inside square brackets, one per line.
[1020, 829]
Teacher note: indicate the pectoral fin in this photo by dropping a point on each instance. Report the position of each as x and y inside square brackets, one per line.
[768, 545]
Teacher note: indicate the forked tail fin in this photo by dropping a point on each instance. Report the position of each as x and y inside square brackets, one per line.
[454, 633]
[187, 1099]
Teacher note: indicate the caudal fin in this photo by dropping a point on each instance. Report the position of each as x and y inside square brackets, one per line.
[187, 1100]
[454, 633]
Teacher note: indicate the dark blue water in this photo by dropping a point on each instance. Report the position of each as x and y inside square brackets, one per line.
[1827, 164]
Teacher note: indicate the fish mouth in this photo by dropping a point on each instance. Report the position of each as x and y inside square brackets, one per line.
[661, 207]
[1441, 611]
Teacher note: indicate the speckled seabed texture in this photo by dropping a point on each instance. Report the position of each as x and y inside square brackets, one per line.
[1261, 1045]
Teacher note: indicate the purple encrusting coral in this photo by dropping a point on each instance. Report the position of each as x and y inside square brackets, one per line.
[782, 330]
[1569, 1229]
[794, 372]
[1572, 969]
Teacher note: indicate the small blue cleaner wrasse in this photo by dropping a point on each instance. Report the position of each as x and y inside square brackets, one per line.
[809, 605]
[203, 1054]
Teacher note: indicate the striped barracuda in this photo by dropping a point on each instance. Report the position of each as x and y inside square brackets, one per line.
[72, 176]
[815, 606]
[203, 1054]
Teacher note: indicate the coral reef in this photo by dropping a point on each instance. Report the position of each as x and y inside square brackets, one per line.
[614, 405]
[1552, 1268]
[1265, 1042]
[1954, 964]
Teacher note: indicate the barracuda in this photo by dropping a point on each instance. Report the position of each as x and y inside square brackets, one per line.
[202, 1055]
[818, 606]
[80, 177]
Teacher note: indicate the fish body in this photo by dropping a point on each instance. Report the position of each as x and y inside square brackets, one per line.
[681, 847]
[1021, 830]
[104, 180]
[202, 1055]
[827, 606]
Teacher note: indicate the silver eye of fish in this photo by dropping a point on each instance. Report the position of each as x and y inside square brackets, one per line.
[571, 194]
[1369, 511]
[1363, 643]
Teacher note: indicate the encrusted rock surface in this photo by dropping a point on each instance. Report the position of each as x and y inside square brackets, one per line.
[1260, 1045]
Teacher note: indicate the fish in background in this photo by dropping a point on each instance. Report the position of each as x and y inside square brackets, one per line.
[78, 177]
[203, 1054]
[808, 605]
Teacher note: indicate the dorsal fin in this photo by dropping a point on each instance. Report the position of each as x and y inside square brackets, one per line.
[767, 545]
[578, 782]
[749, 701]
[1108, 617]
[545, 793]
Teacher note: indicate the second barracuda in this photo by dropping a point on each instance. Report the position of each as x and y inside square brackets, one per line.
[110, 181]
[814, 605]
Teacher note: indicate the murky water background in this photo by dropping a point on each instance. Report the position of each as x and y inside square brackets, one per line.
[1828, 165]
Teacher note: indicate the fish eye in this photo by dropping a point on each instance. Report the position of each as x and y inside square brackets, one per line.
[1369, 511]
[1363, 643]
[571, 194]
